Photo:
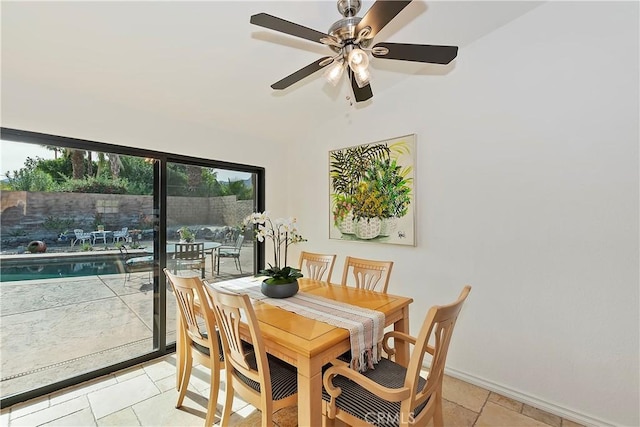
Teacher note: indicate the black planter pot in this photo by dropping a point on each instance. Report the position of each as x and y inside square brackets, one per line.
[284, 290]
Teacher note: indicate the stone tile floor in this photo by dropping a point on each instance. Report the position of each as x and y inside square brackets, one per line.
[145, 395]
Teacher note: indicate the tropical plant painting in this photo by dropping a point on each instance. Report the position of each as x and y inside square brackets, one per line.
[372, 192]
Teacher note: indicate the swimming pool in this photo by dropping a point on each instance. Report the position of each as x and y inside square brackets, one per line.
[33, 268]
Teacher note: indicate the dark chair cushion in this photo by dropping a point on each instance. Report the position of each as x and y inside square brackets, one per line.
[365, 405]
[205, 350]
[247, 347]
[284, 377]
[229, 254]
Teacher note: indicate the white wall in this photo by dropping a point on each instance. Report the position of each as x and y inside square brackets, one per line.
[527, 189]
[61, 112]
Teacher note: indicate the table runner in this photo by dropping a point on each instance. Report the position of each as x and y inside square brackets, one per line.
[365, 326]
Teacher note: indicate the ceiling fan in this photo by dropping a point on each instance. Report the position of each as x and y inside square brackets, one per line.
[350, 38]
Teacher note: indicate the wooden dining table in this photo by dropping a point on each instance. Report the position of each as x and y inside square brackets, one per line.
[309, 344]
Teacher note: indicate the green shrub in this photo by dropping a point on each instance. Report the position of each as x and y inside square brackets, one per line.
[99, 185]
[30, 180]
[60, 225]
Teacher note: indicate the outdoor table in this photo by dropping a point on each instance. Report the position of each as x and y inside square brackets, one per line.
[209, 249]
[100, 235]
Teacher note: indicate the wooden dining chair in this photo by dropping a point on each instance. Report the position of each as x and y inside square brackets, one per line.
[316, 265]
[267, 383]
[368, 274]
[391, 394]
[199, 340]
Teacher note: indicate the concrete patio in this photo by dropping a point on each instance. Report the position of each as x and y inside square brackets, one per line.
[53, 329]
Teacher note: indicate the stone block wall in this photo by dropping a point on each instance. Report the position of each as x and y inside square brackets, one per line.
[23, 212]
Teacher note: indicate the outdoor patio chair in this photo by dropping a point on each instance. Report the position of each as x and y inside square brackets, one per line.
[81, 236]
[122, 234]
[231, 252]
[135, 264]
[189, 255]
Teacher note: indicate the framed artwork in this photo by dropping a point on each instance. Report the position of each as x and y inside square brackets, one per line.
[372, 190]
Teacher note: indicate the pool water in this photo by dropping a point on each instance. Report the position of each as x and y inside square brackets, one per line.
[49, 269]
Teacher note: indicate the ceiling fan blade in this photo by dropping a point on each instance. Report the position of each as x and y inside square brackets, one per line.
[300, 74]
[380, 14]
[432, 54]
[359, 93]
[279, 24]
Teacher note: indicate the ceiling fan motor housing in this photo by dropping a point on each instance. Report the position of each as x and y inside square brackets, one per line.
[349, 7]
[345, 28]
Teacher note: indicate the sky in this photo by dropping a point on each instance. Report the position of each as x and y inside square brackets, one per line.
[13, 155]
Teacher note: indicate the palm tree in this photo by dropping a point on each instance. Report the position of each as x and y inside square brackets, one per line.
[115, 164]
[194, 177]
[89, 164]
[77, 162]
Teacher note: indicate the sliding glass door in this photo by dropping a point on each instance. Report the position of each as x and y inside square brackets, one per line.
[86, 230]
[207, 205]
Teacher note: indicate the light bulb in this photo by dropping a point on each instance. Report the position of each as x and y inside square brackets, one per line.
[333, 73]
[362, 77]
[358, 60]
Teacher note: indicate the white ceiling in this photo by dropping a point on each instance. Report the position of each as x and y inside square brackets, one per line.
[204, 62]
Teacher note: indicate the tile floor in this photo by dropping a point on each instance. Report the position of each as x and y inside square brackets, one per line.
[145, 395]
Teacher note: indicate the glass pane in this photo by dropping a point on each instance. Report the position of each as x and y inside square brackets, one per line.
[207, 205]
[76, 271]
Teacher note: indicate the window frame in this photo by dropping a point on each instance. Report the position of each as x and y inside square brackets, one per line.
[159, 203]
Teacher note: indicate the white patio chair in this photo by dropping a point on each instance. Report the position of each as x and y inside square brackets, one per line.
[122, 234]
[81, 236]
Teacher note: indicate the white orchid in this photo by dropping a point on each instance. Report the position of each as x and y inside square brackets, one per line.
[283, 232]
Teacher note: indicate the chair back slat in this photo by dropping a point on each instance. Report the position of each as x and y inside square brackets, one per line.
[229, 323]
[189, 251]
[239, 242]
[316, 265]
[368, 274]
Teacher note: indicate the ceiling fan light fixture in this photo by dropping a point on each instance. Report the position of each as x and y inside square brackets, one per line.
[333, 72]
[362, 77]
[358, 60]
